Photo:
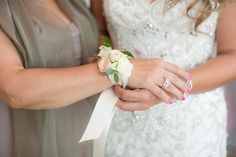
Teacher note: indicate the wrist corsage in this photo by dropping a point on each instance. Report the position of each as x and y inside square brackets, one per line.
[114, 63]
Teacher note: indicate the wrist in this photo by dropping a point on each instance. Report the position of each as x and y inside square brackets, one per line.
[115, 64]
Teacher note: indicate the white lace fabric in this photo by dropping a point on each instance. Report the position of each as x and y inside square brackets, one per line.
[195, 127]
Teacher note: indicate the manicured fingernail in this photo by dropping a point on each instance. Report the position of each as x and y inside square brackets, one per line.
[189, 91]
[183, 97]
[171, 101]
[190, 77]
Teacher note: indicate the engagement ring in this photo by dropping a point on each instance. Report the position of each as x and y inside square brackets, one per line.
[165, 83]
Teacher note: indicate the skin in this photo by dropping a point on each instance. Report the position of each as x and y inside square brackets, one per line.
[205, 76]
[44, 88]
[150, 1]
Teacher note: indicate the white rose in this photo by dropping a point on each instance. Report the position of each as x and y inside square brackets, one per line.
[104, 64]
[104, 51]
[124, 67]
[116, 55]
[114, 65]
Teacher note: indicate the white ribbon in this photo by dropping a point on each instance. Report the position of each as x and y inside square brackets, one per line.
[100, 122]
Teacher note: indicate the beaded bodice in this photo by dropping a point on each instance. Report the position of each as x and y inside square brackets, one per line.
[146, 30]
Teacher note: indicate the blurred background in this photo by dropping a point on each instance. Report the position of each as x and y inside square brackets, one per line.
[230, 95]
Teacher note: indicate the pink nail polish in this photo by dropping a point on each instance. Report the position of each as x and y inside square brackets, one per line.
[171, 101]
[190, 77]
[189, 91]
[183, 97]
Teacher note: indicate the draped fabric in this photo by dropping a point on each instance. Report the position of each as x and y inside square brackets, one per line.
[5, 131]
[43, 40]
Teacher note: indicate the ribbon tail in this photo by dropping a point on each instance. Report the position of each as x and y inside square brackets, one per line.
[99, 145]
[100, 121]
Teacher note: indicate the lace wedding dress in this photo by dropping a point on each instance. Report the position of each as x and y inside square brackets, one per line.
[195, 127]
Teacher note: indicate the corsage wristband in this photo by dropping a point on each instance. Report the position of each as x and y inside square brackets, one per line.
[114, 63]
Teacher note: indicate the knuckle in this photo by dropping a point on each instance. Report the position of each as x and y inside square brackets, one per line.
[148, 80]
[116, 91]
[147, 97]
[174, 79]
[123, 95]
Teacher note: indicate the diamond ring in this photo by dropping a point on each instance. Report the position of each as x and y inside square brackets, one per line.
[165, 83]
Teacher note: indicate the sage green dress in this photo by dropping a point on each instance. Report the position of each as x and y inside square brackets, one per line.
[43, 40]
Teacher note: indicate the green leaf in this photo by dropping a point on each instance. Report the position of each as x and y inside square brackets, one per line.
[129, 54]
[110, 71]
[106, 41]
[116, 78]
[106, 44]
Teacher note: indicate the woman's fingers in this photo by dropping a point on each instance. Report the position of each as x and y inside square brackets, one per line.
[176, 70]
[177, 86]
[150, 74]
[130, 106]
[160, 93]
[135, 106]
[137, 95]
[174, 91]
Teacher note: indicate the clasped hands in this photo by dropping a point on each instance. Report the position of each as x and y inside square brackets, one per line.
[153, 81]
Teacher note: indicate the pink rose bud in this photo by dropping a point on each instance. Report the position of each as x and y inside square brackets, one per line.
[104, 64]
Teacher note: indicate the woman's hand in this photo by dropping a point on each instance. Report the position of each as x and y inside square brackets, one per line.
[134, 100]
[151, 73]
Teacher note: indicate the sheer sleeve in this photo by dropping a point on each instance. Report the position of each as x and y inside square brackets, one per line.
[8, 27]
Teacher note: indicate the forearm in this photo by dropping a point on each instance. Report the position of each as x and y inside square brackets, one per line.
[214, 73]
[54, 88]
[222, 69]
